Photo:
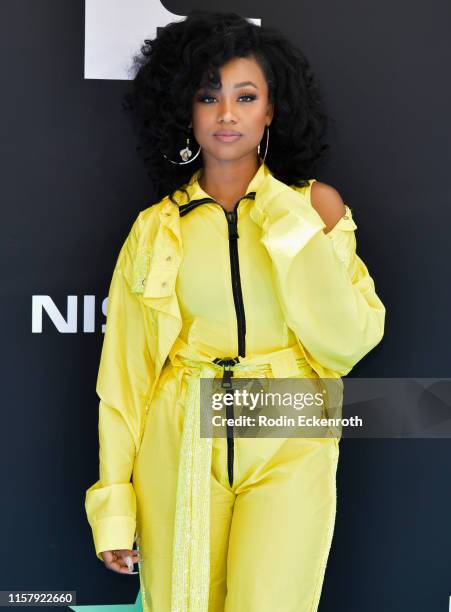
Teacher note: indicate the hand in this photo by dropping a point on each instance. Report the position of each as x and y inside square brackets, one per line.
[116, 560]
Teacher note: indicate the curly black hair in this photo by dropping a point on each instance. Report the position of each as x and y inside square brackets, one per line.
[186, 55]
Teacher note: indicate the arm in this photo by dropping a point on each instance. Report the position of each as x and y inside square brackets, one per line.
[122, 386]
[326, 292]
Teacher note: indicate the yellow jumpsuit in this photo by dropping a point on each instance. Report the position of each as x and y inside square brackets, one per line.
[226, 524]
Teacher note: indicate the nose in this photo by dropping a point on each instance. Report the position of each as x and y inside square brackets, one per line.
[226, 112]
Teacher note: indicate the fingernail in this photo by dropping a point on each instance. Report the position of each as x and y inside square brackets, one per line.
[129, 562]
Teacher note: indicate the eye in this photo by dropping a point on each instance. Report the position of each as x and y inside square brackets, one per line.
[205, 97]
[249, 96]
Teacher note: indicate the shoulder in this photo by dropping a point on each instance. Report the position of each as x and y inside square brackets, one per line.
[328, 203]
[143, 228]
[148, 219]
[154, 210]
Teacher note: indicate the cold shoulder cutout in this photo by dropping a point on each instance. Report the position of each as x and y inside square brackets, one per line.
[342, 235]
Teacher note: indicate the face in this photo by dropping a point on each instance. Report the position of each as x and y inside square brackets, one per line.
[240, 106]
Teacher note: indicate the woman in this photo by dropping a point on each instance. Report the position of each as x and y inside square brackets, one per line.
[245, 266]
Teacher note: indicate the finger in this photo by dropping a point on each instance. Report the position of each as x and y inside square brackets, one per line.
[134, 556]
[129, 561]
[113, 560]
[121, 561]
[125, 570]
[127, 553]
[126, 561]
[108, 556]
[119, 567]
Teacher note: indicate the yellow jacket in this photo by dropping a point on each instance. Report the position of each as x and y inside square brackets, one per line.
[327, 294]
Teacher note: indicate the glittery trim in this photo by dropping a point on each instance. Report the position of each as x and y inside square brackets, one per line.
[191, 547]
[141, 266]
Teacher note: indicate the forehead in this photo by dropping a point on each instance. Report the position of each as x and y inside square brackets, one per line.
[240, 69]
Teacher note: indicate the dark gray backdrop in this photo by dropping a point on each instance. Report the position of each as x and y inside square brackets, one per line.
[71, 186]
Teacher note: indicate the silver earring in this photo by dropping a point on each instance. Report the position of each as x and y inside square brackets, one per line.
[185, 154]
[267, 142]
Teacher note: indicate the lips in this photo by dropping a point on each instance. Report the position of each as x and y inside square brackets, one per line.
[227, 136]
[227, 133]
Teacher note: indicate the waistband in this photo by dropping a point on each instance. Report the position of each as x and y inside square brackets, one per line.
[282, 363]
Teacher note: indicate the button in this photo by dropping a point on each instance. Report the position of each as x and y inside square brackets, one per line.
[164, 284]
[168, 258]
[168, 214]
[143, 281]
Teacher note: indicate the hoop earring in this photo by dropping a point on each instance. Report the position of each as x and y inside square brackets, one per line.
[185, 154]
[267, 142]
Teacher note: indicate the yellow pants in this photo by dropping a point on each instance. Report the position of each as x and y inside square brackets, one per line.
[271, 531]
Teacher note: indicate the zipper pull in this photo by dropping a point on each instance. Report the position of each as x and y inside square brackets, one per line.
[227, 371]
[226, 378]
[233, 226]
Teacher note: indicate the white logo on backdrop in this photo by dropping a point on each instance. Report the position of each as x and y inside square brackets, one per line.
[67, 323]
[115, 31]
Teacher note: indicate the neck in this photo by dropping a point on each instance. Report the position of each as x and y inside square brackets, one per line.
[226, 182]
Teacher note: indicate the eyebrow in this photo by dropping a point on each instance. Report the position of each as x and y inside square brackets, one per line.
[242, 84]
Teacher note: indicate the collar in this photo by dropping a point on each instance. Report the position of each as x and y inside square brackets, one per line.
[196, 195]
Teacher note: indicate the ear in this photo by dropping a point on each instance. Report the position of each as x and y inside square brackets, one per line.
[270, 113]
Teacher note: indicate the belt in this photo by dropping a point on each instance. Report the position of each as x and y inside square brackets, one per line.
[191, 544]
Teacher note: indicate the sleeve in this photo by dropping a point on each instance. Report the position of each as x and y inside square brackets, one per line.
[122, 385]
[325, 290]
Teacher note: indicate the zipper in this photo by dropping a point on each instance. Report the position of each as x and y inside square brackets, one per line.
[228, 363]
[232, 222]
[226, 383]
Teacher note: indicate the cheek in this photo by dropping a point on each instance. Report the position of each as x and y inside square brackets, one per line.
[263, 112]
[200, 119]
[201, 110]
[201, 127]
[257, 114]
